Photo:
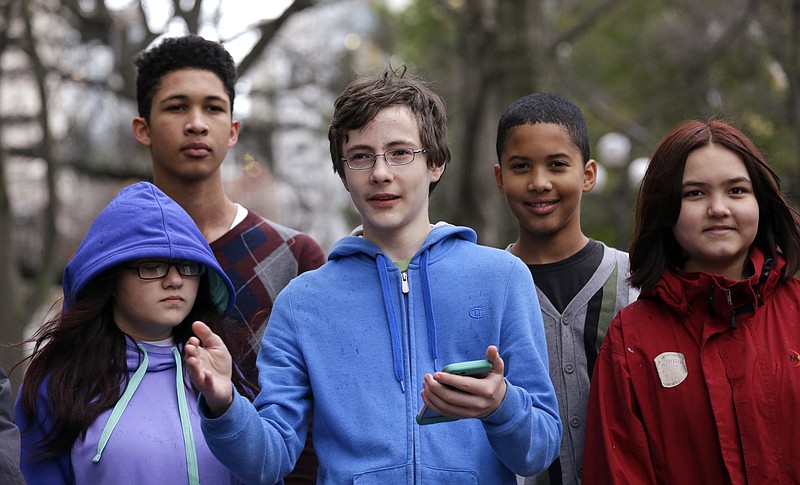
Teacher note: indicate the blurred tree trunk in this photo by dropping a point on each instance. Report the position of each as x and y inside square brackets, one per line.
[12, 319]
[476, 44]
[780, 23]
[505, 49]
[17, 301]
[792, 63]
[506, 39]
[39, 31]
[46, 269]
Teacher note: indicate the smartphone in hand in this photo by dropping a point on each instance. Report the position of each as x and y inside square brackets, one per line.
[472, 368]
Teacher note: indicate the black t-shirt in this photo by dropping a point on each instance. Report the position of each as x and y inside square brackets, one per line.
[562, 280]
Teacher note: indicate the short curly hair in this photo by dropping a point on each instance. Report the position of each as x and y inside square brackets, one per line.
[544, 108]
[175, 53]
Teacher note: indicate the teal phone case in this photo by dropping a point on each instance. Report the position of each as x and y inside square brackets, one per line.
[475, 368]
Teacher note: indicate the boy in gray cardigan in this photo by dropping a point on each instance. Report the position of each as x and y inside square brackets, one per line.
[543, 170]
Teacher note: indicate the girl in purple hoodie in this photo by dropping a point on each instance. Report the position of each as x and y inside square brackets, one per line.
[105, 398]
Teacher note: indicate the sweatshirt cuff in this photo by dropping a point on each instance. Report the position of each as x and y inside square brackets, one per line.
[227, 422]
[508, 409]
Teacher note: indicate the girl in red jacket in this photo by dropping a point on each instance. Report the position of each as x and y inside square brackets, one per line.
[699, 380]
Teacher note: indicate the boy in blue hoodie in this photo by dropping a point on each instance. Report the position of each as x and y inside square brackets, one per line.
[362, 340]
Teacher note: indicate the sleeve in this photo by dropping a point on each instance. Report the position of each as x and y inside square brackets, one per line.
[525, 430]
[616, 450]
[51, 471]
[260, 442]
[308, 253]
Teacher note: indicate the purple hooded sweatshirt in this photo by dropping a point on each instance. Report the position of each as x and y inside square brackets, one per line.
[149, 439]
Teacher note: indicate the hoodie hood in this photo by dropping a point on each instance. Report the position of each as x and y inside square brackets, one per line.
[356, 243]
[355, 246]
[142, 222]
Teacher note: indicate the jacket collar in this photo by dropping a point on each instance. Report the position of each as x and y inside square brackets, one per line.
[711, 304]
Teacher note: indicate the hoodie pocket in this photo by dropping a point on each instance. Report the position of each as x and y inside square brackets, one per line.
[427, 476]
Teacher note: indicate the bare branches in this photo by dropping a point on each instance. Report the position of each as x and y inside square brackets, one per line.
[267, 31]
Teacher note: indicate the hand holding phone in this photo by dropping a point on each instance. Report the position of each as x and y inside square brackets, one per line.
[472, 368]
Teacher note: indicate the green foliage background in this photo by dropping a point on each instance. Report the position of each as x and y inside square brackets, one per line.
[635, 67]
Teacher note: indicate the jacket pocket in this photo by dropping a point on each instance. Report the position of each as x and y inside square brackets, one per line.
[405, 474]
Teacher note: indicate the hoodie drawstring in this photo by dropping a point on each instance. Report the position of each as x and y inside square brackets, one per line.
[119, 408]
[394, 326]
[430, 317]
[186, 427]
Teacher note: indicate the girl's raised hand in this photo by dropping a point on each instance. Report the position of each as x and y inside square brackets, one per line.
[210, 365]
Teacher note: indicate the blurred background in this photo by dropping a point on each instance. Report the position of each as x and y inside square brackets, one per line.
[636, 68]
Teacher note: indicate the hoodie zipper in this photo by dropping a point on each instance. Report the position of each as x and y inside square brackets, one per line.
[405, 289]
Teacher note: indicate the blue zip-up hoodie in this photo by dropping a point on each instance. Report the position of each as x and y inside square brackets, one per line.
[352, 341]
[154, 435]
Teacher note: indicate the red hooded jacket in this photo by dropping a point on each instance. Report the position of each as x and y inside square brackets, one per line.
[699, 382]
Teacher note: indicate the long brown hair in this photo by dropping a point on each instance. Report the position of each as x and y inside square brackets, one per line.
[654, 247]
[80, 356]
